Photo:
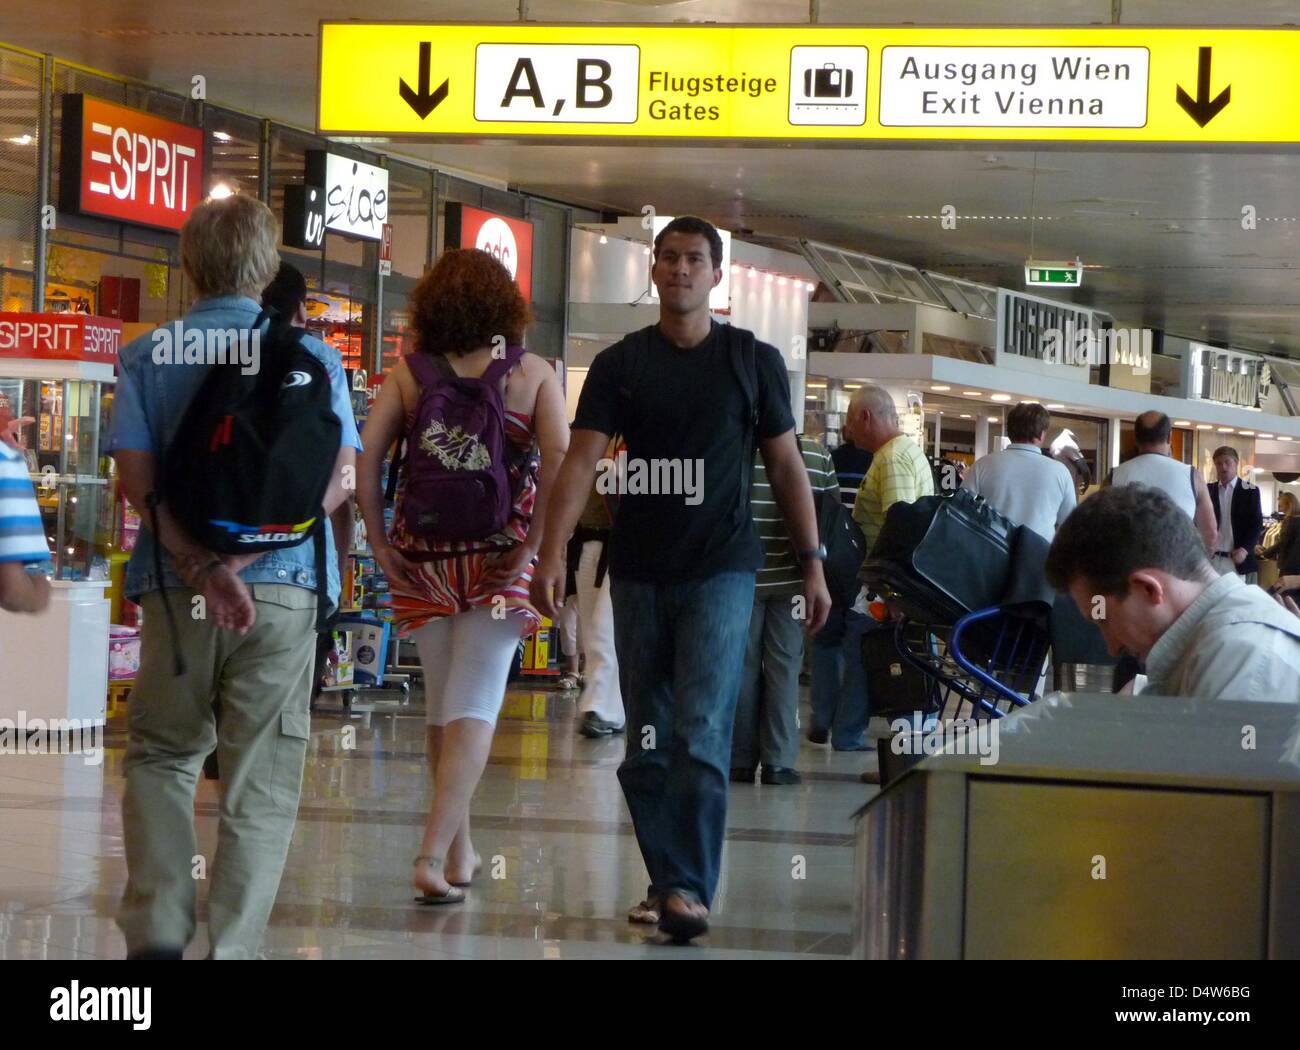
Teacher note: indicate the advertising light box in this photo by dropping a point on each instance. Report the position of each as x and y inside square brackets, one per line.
[356, 194]
[509, 240]
[123, 164]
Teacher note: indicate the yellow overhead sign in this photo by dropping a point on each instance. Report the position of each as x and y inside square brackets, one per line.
[1195, 86]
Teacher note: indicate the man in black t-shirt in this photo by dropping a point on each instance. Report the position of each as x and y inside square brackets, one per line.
[692, 399]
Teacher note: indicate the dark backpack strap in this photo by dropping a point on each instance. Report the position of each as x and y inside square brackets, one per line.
[179, 661]
[322, 573]
[636, 360]
[500, 366]
[744, 360]
[399, 457]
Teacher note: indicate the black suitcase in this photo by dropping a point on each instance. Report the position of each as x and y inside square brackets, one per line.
[894, 686]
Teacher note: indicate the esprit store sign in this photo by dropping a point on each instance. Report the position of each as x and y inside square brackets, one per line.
[60, 337]
[1229, 377]
[122, 164]
[510, 241]
[356, 194]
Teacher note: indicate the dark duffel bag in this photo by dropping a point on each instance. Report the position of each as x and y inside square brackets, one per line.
[959, 547]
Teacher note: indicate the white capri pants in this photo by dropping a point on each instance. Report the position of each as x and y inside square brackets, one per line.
[601, 692]
[466, 660]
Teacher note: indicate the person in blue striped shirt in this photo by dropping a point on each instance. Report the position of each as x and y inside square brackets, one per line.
[22, 537]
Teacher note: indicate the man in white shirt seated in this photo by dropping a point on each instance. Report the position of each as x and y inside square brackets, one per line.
[1132, 560]
[1030, 488]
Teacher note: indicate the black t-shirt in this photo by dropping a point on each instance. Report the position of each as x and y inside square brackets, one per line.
[689, 409]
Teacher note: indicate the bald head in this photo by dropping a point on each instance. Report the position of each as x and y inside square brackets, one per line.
[874, 400]
[1152, 430]
[872, 417]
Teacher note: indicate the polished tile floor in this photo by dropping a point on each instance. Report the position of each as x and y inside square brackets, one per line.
[548, 818]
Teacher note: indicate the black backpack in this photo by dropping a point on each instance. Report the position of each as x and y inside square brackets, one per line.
[846, 547]
[248, 467]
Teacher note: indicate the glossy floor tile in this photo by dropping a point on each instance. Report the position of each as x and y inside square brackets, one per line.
[561, 861]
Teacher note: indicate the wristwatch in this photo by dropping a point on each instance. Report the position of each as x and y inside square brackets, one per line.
[818, 553]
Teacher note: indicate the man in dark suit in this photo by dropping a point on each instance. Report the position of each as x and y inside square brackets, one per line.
[1240, 527]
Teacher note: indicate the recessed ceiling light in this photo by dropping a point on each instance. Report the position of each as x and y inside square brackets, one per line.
[1000, 397]
[965, 415]
[1248, 433]
[221, 136]
[1284, 437]
[604, 239]
[1263, 435]
[1182, 422]
[994, 419]
[1225, 430]
[1204, 426]
[939, 388]
[1054, 404]
[973, 393]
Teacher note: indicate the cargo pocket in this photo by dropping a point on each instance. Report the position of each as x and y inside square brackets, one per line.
[290, 758]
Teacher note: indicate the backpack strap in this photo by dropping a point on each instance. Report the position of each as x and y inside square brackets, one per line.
[501, 366]
[744, 360]
[636, 360]
[322, 573]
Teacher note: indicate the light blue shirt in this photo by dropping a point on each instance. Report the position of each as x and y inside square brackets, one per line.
[147, 409]
[1028, 487]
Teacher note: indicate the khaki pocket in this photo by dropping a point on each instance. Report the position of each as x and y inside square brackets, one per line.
[290, 758]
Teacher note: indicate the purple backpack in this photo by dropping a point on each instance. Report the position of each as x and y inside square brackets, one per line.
[457, 453]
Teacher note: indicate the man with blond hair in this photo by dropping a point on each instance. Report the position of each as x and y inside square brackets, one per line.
[245, 637]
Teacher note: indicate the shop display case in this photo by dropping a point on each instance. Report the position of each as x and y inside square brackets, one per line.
[73, 480]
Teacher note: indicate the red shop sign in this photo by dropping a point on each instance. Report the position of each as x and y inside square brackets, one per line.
[509, 240]
[61, 337]
[120, 163]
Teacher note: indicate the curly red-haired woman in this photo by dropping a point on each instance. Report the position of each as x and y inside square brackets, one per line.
[464, 602]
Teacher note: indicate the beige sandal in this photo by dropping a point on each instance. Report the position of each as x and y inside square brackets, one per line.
[647, 913]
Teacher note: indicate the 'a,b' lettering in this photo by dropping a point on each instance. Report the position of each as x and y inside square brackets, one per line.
[524, 69]
[599, 82]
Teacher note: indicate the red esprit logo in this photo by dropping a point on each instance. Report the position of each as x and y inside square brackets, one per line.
[222, 435]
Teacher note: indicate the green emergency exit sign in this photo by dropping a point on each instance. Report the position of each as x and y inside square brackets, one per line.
[1054, 274]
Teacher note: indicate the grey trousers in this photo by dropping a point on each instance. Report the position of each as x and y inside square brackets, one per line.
[263, 683]
[767, 713]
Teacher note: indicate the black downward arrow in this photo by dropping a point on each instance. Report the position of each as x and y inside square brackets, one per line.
[1202, 109]
[422, 101]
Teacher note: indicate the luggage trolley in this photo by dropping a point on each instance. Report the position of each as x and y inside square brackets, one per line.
[985, 665]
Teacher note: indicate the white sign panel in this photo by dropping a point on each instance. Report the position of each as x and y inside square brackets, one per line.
[356, 197]
[1014, 87]
[720, 297]
[828, 86]
[557, 83]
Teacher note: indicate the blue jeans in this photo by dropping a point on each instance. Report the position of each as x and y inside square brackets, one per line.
[839, 682]
[680, 649]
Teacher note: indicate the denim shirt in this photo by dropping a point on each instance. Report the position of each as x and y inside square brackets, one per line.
[147, 409]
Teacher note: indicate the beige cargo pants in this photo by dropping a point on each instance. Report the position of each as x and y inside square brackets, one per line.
[263, 683]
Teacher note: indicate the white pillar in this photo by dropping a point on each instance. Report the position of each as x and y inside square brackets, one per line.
[981, 437]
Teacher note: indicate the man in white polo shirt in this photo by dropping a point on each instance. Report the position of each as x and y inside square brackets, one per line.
[1030, 488]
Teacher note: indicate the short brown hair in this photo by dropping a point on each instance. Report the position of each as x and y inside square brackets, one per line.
[464, 302]
[1027, 422]
[1226, 450]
